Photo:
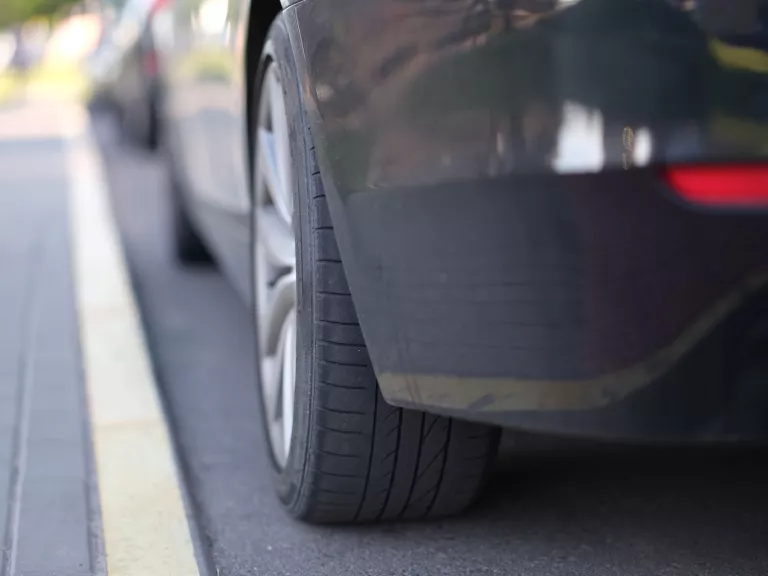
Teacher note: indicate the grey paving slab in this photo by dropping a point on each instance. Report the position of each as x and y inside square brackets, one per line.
[48, 516]
[53, 535]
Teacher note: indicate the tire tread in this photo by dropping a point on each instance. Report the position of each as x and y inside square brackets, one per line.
[367, 466]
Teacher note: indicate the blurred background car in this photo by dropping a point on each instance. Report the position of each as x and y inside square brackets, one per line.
[124, 71]
[26, 48]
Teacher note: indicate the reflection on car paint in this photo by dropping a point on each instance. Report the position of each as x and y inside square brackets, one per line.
[523, 64]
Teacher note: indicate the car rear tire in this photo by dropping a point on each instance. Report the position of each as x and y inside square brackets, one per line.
[352, 456]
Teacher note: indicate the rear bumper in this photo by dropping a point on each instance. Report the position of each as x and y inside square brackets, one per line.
[512, 256]
[594, 305]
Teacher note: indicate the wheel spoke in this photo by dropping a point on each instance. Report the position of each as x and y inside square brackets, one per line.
[275, 265]
[271, 173]
[289, 375]
[271, 383]
[282, 298]
[274, 93]
[276, 237]
[281, 142]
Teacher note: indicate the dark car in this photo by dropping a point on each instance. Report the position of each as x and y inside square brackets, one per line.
[127, 69]
[451, 216]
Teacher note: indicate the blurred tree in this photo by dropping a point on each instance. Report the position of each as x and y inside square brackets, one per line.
[16, 11]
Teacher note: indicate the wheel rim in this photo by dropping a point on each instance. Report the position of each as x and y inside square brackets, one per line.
[275, 265]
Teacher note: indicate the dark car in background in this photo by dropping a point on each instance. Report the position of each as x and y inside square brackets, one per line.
[126, 73]
[455, 215]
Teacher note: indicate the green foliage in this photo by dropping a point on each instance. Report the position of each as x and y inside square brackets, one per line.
[15, 11]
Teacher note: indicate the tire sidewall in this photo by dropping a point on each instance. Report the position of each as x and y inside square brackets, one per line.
[289, 480]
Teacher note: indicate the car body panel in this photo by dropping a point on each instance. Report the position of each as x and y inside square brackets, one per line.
[206, 107]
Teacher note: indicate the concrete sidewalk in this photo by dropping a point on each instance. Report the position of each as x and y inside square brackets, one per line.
[69, 509]
[47, 484]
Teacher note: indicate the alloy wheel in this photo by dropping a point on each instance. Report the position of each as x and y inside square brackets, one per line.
[275, 264]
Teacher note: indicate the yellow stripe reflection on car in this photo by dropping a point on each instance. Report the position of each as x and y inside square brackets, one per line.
[499, 394]
[739, 57]
[740, 132]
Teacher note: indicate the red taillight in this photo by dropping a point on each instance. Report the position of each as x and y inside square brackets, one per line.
[150, 64]
[159, 5]
[727, 185]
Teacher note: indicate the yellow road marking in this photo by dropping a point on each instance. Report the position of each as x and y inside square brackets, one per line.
[146, 532]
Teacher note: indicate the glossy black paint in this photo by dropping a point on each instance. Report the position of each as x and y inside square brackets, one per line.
[513, 254]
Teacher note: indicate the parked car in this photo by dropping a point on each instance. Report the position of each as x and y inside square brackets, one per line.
[126, 73]
[450, 216]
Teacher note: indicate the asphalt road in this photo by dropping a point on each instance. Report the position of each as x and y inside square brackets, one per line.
[553, 508]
